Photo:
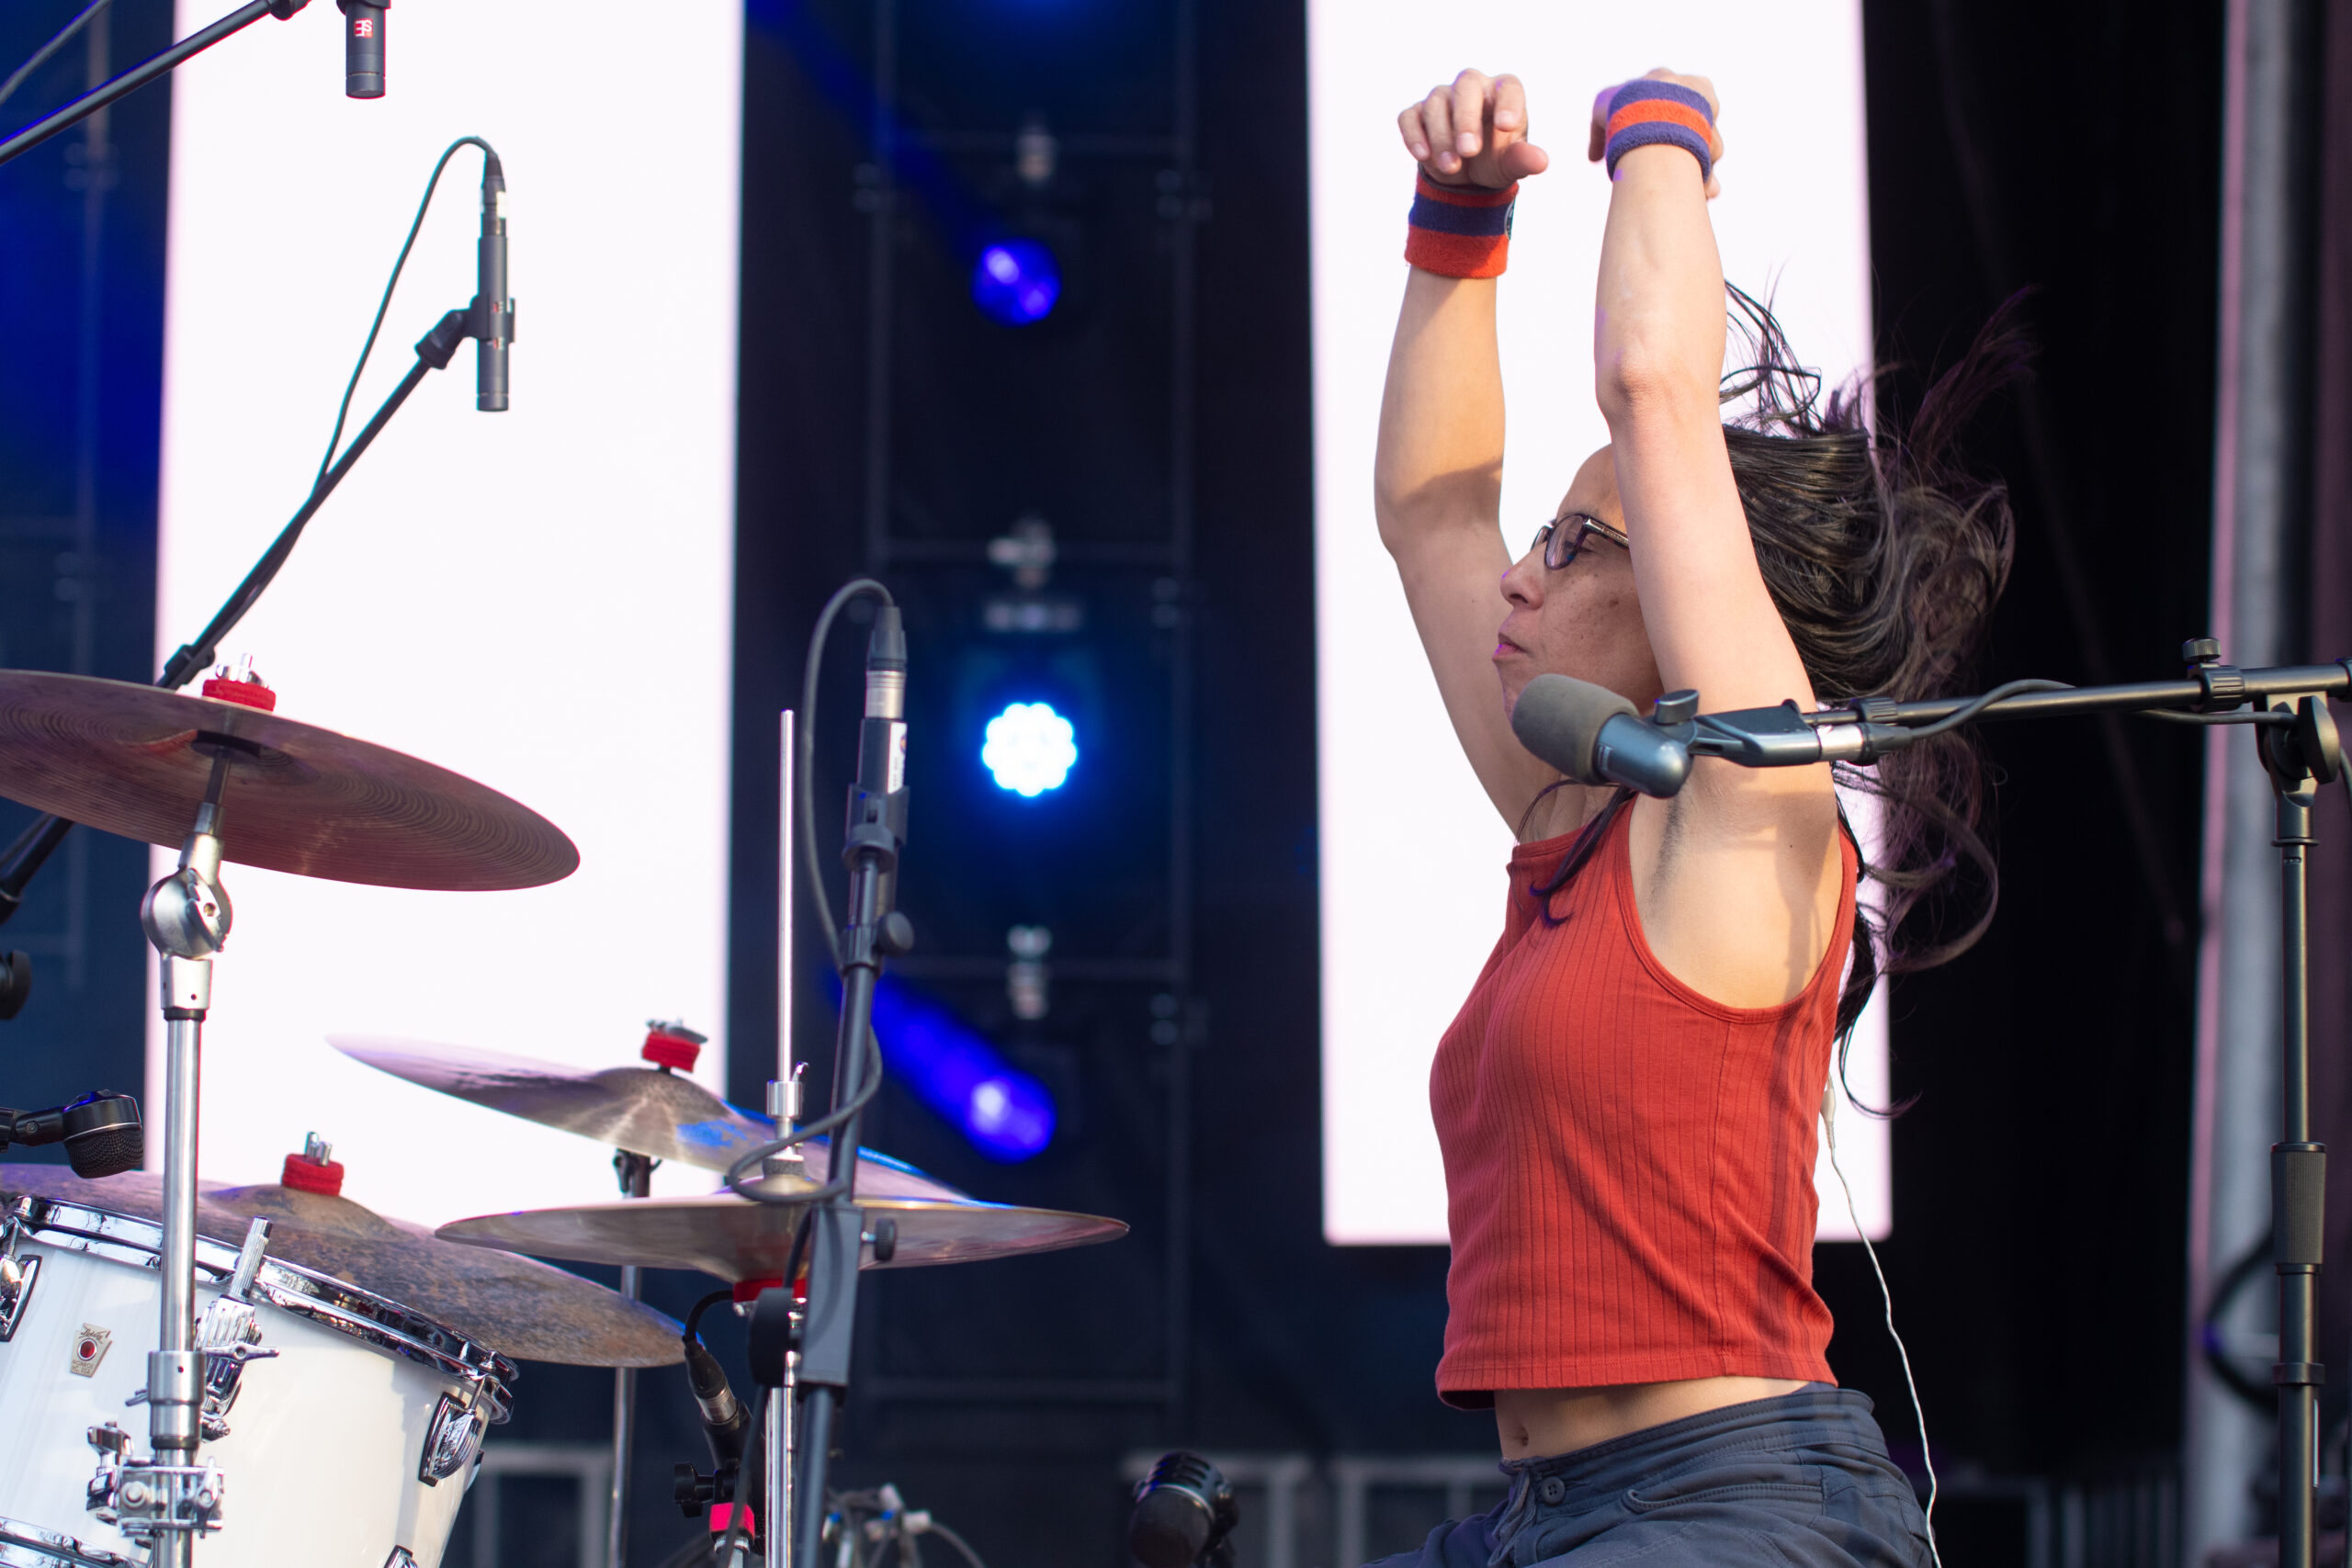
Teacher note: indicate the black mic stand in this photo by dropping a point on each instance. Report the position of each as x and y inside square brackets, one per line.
[2300, 748]
[140, 75]
[482, 320]
[876, 831]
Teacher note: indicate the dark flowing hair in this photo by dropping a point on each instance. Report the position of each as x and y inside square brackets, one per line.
[1884, 553]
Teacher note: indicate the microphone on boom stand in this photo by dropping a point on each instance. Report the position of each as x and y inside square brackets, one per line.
[363, 48]
[101, 1133]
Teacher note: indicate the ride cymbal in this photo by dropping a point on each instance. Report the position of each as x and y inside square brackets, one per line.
[137, 760]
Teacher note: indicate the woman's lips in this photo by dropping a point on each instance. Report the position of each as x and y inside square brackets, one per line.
[1505, 647]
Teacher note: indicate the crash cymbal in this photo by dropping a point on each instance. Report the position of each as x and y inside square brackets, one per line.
[643, 1109]
[735, 1239]
[136, 760]
[522, 1310]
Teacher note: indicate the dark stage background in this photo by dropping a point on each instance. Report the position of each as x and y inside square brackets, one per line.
[2042, 1177]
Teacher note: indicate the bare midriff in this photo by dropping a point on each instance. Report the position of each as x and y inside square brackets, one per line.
[1532, 1422]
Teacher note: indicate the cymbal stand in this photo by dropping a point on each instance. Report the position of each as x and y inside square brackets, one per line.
[636, 1174]
[168, 1499]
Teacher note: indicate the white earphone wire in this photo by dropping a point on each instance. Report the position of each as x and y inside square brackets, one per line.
[1918, 1412]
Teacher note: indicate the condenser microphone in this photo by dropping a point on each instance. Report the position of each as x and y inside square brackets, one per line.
[1184, 1515]
[363, 47]
[724, 1423]
[492, 313]
[1596, 736]
[101, 1133]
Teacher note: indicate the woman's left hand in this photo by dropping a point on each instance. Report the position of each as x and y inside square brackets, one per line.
[1598, 144]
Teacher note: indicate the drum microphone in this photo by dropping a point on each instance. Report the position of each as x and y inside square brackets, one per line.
[1596, 737]
[100, 1131]
[490, 318]
[724, 1420]
[1184, 1515]
[363, 48]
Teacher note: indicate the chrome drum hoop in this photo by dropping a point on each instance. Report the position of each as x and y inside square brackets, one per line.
[29, 1546]
[361, 1315]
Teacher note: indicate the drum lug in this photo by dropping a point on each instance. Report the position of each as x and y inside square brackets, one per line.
[17, 1277]
[453, 1441]
[227, 1334]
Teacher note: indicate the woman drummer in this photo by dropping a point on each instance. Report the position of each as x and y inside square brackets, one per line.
[1626, 1101]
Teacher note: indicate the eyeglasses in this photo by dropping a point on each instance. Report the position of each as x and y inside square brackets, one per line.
[1565, 537]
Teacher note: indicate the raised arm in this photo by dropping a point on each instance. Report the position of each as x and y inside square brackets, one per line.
[1437, 480]
[1658, 329]
[1738, 877]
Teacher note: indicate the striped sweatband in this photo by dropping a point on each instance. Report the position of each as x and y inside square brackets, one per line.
[1650, 113]
[1459, 230]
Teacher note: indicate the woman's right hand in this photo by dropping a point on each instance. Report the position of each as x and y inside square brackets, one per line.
[1472, 132]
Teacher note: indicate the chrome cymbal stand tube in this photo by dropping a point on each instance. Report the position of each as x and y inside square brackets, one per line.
[636, 1173]
[169, 1499]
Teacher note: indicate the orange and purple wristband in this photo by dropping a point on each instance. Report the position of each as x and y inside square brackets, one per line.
[1660, 114]
[1459, 230]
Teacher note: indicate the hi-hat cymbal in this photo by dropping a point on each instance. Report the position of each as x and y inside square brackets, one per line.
[643, 1109]
[521, 1309]
[137, 760]
[735, 1239]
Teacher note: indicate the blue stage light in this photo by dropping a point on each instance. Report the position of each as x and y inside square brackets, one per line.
[1030, 748]
[1016, 282]
[1007, 1114]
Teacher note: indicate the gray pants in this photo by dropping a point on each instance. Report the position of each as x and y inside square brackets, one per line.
[1798, 1481]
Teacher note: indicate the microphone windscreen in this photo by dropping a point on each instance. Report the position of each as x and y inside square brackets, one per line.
[106, 1151]
[102, 1135]
[1558, 717]
[1168, 1529]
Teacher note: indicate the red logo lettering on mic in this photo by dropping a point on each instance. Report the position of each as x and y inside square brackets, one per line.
[363, 27]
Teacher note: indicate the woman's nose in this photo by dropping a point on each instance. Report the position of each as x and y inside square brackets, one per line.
[1523, 583]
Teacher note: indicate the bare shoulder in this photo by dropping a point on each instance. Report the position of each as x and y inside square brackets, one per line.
[1739, 888]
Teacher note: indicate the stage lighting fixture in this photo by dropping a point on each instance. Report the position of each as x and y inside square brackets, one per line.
[1016, 282]
[1030, 748]
[1007, 1114]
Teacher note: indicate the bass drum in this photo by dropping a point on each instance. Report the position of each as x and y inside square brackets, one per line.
[350, 1447]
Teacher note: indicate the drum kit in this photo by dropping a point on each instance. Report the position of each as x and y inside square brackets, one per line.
[379, 1352]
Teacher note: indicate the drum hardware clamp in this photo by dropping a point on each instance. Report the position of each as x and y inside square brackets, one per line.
[150, 1503]
[18, 1274]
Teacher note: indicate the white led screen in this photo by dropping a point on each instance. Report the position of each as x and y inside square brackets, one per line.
[540, 599]
[1412, 854]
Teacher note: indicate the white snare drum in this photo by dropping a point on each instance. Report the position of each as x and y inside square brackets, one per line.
[351, 1449]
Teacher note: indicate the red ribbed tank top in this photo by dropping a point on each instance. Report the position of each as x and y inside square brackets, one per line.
[1628, 1164]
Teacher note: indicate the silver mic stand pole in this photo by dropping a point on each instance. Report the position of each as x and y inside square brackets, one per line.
[783, 1104]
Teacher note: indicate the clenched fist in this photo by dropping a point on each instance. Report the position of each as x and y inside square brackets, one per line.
[1473, 132]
